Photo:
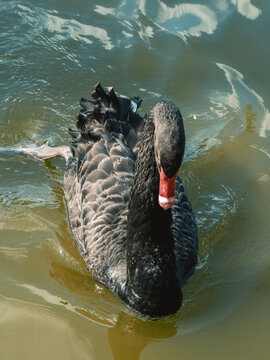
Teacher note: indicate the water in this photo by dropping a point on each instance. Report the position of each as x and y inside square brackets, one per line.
[212, 59]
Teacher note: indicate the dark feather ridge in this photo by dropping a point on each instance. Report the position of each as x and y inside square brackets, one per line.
[107, 105]
[109, 112]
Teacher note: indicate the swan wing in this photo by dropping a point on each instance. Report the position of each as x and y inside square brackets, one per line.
[97, 194]
[185, 232]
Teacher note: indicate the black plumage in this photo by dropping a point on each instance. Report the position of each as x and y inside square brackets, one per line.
[128, 241]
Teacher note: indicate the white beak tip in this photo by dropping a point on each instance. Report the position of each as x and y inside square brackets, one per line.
[166, 203]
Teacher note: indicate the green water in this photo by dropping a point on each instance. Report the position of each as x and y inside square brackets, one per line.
[212, 59]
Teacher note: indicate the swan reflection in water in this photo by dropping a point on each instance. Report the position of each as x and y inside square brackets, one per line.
[128, 333]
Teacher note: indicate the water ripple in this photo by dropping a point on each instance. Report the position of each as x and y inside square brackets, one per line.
[188, 19]
[242, 95]
[78, 31]
[245, 8]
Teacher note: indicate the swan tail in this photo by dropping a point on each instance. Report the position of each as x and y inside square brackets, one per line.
[114, 112]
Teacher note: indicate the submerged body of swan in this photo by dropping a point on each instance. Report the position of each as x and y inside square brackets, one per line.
[117, 188]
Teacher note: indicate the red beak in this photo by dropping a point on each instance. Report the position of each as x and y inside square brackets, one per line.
[166, 195]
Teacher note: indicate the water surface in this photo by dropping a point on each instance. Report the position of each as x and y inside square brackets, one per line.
[212, 59]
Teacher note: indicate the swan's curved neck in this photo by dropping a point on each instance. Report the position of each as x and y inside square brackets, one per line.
[151, 272]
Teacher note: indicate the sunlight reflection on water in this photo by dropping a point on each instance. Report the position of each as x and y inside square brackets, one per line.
[212, 59]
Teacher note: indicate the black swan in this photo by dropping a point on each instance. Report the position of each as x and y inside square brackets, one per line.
[128, 211]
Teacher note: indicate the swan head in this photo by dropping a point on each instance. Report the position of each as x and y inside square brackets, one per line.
[169, 145]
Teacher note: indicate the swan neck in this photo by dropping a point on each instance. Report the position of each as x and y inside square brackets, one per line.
[151, 265]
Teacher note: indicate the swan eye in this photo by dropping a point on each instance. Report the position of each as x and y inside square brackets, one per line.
[133, 106]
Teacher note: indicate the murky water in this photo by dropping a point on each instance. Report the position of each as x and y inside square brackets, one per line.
[212, 59]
